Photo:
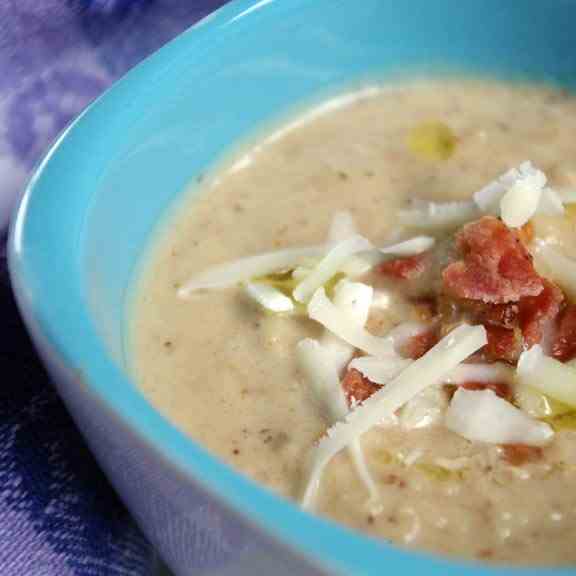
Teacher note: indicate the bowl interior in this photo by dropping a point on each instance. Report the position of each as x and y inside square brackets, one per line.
[94, 202]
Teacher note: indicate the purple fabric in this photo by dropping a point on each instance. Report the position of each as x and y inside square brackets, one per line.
[58, 515]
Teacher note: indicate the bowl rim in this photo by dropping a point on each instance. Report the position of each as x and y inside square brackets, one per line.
[330, 545]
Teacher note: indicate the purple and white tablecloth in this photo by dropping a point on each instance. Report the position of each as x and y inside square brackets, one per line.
[58, 515]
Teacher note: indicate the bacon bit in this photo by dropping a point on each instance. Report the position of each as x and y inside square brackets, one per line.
[519, 454]
[357, 387]
[496, 267]
[530, 314]
[535, 312]
[418, 345]
[503, 344]
[501, 389]
[504, 315]
[526, 233]
[407, 268]
[564, 345]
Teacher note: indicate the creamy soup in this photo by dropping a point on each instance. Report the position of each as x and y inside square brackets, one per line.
[226, 372]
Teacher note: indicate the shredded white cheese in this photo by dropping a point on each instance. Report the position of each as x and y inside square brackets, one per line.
[489, 197]
[496, 372]
[383, 299]
[425, 409]
[361, 264]
[437, 216]
[316, 363]
[353, 299]
[300, 272]
[321, 309]
[380, 370]
[320, 371]
[482, 416]
[402, 333]
[518, 194]
[547, 375]
[330, 265]
[269, 297]
[556, 266]
[246, 269]
[521, 201]
[410, 247]
[428, 370]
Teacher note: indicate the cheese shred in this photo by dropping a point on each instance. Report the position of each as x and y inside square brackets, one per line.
[330, 265]
[428, 370]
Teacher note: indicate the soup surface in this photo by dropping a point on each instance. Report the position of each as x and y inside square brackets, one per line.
[226, 372]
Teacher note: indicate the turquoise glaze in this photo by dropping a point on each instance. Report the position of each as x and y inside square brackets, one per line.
[94, 201]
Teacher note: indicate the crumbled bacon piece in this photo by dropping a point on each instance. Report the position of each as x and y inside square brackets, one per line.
[418, 345]
[504, 315]
[495, 268]
[407, 268]
[503, 344]
[518, 454]
[501, 389]
[564, 345]
[357, 387]
[536, 312]
[531, 314]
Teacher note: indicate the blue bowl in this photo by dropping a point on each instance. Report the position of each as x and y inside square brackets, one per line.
[94, 201]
